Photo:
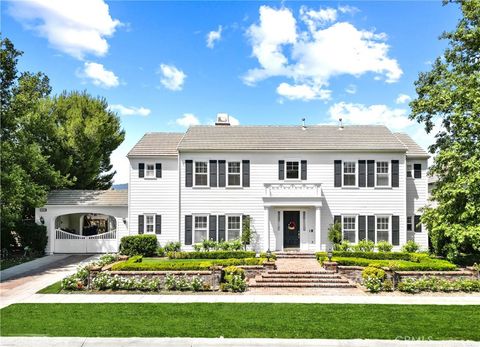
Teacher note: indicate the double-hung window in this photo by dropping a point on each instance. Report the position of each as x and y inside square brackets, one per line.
[292, 168]
[409, 223]
[382, 174]
[409, 170]
[201, 173]
[382, 228]
[234, 173]
[234, 226]
[201, 229]
[349, 173]
[150, 223]
[150, 171]
[349, 228]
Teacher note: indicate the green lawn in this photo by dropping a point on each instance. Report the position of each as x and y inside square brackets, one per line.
[53, 288]
[331, 321]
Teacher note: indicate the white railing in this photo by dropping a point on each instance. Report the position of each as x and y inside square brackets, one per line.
[293, 189]
[105, 236]
[63, 235]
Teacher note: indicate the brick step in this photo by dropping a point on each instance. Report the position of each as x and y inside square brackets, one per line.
[300, 285]
[301, 280]
[319, 275]
[305, 272]
[295, 256]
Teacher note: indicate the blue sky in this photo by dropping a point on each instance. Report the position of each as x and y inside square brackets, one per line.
[165, 65]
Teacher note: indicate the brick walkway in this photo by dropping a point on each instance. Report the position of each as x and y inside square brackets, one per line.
[298, 265]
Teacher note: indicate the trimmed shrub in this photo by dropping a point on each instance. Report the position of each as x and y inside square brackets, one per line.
[233, 279]
[466, 259]
[343, 246]
[211, 255]
[399, 265]
[273, 256]
[373, 278]
[172, 247]
[371, 271]
[384, 246]
[364, 246]
[32, 237]
[410, 246]
[377, 255]
[436, 284]
[145, 245]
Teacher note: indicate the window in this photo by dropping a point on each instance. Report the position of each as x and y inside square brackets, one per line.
[409, 170]
[382, 228]
[201, 173]
[233, 228]
[234, 173]
[292, 169]
[349, 228]
[150, 223]
[349, 173]
[150, 171]
[200, 233]
[409, 223]
[382, 173]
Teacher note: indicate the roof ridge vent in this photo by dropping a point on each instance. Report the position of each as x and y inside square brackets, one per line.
[223, 119]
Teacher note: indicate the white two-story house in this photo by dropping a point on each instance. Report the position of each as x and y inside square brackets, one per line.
[292, 181]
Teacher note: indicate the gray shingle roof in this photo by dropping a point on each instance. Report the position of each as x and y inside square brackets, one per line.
[319, 137]
[88, 197]
[156, 144]
[413, 149]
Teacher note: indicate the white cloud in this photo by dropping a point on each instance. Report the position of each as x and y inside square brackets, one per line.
[172, 78]
[311, 58]
[213, 36]
[130, 111]
[403, 98]
[98, 75]
[187, 120]
[302, 92]
[351, 89]
[233, 120]
[359, 114]
[75, 27]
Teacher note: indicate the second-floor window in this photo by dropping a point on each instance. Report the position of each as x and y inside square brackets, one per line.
[150, 171]
[201, 173]
[292, 170]
[349, 172]
[409, 170]
[382, 173]
[409, 223]
[234, 173]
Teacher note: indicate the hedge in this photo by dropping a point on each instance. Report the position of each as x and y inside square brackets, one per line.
[415, 257]
[428, 264]
[436, 284]
[181, 266]
[145, 245]
[33, 236]
[212, 255]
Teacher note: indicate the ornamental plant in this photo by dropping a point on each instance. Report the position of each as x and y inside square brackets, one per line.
[335, 233]
[364, 246]
[373, 278]
[233, 279]
[384, 246]
[410, 246]
[343, 246]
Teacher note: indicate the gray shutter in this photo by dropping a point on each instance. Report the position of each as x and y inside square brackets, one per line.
[418, 225]
[370, 173]
[221, 228]
[362, 230]
[158, 170]
[158, 224]
[417, 170]
[188, 173]
[281, 170]
[188, 230]
[362, 174]
[140, 223]
[303, 165]
[221, 173]
[371, 228]
[395, 230]
[338, 173]
[246, 173]
[212, 228]
[395, 173]
[337, 219]
[244, 217]
[141, 170]
[213, 173]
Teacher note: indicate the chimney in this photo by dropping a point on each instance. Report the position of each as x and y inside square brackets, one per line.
[223, 119]
[341, 124]
[303, 124]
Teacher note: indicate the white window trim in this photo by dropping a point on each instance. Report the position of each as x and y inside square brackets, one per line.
[356, 225]
[195, 174]
[299, 178]
[411, 171]
[343, 173]
[412, 222]
[154, 176]
[389, 226]
[241, 174]
[226, 225]
[389, 174]
[195, 228]
[153, 215]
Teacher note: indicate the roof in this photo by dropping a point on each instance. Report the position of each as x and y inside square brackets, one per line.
[156, 144]
[318, 137]
[88, 197]
[413, 149]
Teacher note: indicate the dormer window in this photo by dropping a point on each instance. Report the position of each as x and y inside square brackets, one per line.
[292, 170]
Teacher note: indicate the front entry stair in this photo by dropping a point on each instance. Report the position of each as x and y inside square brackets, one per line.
[300, 279]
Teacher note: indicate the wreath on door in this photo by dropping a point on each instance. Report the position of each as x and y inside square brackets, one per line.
[292, 225]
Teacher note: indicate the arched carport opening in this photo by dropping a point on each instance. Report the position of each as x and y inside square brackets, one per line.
[86, 224]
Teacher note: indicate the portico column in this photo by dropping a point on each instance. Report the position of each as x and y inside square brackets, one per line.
[317, 228]
[266, 228]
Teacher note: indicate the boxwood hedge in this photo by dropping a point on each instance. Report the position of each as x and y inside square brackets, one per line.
[212, 255]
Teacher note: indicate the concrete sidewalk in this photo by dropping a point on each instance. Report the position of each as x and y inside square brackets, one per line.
[33, 265]
[241, 298]
[198, 342]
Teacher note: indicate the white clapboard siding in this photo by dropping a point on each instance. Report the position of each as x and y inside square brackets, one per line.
[417, 196]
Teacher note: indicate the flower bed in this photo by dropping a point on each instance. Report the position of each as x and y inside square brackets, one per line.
[437, 284]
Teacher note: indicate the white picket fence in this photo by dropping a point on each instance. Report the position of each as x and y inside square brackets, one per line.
[66, 242]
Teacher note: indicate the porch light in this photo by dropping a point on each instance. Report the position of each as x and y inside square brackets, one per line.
[329, 255]
[42, 220]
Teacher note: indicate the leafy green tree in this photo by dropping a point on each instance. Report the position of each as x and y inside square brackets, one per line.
[335, 233]
[247, 232]
[450, 93]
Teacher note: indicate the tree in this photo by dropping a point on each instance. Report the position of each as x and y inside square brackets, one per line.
[450, 93]
[247, 232]
[335, 233]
